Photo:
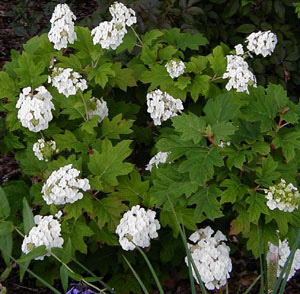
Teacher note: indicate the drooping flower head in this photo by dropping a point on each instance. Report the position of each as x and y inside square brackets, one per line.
[175, 68]
[110, 34]
[67, 81]
[99, 108]
[44, 150]
[80, 289]
[62, 27]
[137, 227]
[162, 106]
[35, 109]
[46, 232]
[263, 43]
[63, 186]
[279, 254]
[239, 75]
[282, 196]
[211, 257]
[160, 157]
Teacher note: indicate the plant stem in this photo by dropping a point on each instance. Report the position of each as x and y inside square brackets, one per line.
[19, 232]
[85, 107]
[210, 139]
[138, 37]
[70, 270]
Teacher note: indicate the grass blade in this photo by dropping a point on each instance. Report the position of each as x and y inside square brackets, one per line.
[136, 275]
[252, 285]
[161, 291]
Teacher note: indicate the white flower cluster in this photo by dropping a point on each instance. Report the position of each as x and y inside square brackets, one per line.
[67, 81]
[110, 34]
[44, 150]
[46, 232]
[62, 27]
[175, 68]
[160, 157]
[63, 186]
[262, 43]
[239, 50]
[211, 257]
[35, 110]
[239, 75]
[99, 108]
[162, 106]
[279, 255]
[137, 227]
[282, 196]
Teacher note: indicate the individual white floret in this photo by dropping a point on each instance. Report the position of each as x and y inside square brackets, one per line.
[160, 157]
[263, 43]
[240, 77]
[44, 150]
[99, 108]
[109, 34]
[67, 81]
[211, 257]
[175, 68]
[223, 144]
[278, 255]
[239, 50]
[63, 186]
[62, 27]
[282, 196]
[35, 109]
[46, 232]
[162, 106]
[121, 14]
[137, 227]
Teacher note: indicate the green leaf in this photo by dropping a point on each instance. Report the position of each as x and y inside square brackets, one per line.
[246, 28]
[6, 246]
[167, 53]
[70, 141]
[8, 86]
[148, 55]
[90, 125]
[267, 173]
[109, 164]
[12, 142]
[241, 223]
[247, 132]
[167, 218]
[101, 73]
[235, 158]
[288, 140]
[30, 164]
[131, 188]
[182, 82]
[123, 77]
[200, 164]
[177, 147]
[30, 72]
[235, 190]
[197, 64]
[76, 209]
[257, 206]
[200, 86]
[220, 109]
[4, 204]
[6, 227]
[112, 129]
[84, 44]
[108, 211]
[64, 277]
[34, 253]
[128, 43]
[218, 61]
[223, 131]
[206, 200]
[190, 126]
[151, 36]
[79, 231]
[28, 220]
[157, 76]
[184, 40]
[262, 148]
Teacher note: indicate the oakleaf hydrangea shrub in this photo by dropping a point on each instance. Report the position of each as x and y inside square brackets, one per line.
[110, 126]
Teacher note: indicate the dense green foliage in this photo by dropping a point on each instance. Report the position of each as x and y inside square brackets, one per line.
[207, 184]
